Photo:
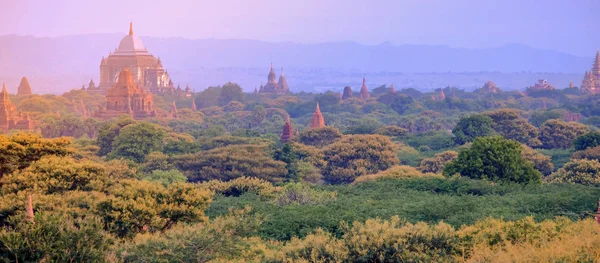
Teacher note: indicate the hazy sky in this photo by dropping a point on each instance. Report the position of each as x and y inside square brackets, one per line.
[567, 25]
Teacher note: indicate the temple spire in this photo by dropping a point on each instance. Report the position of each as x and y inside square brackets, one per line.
[194, 108]
[596, 69]
[317, 120]
[393, 90]
[4, 88]
[29, 209]
[288, 130]
[131, 28]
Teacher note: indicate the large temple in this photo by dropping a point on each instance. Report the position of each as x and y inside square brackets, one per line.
[591, 79]
[127, 97]
[147, 71]
[273, 86]
[10, 118]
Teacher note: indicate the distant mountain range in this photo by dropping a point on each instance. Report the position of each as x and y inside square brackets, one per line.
[65, 62]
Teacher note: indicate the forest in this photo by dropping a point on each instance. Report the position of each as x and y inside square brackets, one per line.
[400, 176]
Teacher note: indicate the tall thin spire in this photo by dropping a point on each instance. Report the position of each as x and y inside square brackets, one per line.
[131, 28]
[596, 69]
[4, 88]
[29, 209]
[317, 120]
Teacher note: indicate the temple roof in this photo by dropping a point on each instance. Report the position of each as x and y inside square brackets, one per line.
[131, 45]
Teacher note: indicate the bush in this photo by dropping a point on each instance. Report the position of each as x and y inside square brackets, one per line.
[438, 162]
[320, 137]
[588, 140]
[469, 128]
[166, 177]
[494, 158]
[540, 161]
[358, 155]
[302, 194]
[241, 186]
[560, 134]
[586, 172]
[396, 172]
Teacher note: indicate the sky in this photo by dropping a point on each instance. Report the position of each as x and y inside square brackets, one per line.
[571, 26]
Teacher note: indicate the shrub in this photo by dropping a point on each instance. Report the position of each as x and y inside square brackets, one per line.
[438, 162]
[320, 137]
[560, 134]
[588, 140]
[395, 172]
[494, 158]
[469, 128]
[541, 162]
[358, 155]
[302, 194]
[241, 186]
[586, 172]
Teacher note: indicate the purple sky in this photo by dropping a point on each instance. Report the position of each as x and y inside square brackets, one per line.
[567, 25]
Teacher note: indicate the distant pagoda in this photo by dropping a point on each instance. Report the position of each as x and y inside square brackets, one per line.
[347, 93]
[10, 118]
[288, 131]
[273, 86]
[364, 92]
[24, 87]
[317, 120]
[591, 79]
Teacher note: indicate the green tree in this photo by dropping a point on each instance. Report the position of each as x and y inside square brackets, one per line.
[560, 134]
[496, 159]
[19, 150]
[539, 117]
[109, 131]
[586, 172]
[230, 92]
[166, 177]
[54, 238]
[358, 155]
[469, 128]
[438, 162]
[320, 137]
[510, 124]
[136, 141]
[287, 155]
[208, 97]
[588, 140]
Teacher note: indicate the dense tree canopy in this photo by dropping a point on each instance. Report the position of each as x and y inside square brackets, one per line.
[469, 128]
[494, 158]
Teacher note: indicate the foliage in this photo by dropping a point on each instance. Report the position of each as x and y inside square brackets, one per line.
[109, 131]
[242, 185]
[392, 131]
[19, 150]
[587, 140]
[541, 162]
[438, 162]
[320, 137]
[358, 155]
[135, 141]
[230, 92]
[510, 124]
[560, 134]
[140, 206]
[54, 238]
[395, 172]
[166, 177]
[303, 194]
[494, 158]
[586, 172]
[539, 117]
[230, 162]
[469, 128]
[225, 238]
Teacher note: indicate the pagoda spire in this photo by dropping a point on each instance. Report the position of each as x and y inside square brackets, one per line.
[364, 92]
[4, 92]
[29, 209]
[596, 68]
[392, 90]
[288, 130]
[131, 28]
[317, 120]
[174, 110]
[194, 108]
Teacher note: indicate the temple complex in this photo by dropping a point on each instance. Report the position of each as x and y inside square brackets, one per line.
[347, 93]
[10, 118]
[542, 84]
[147, 71]
[364, 92]
[489, 87]
[127, 97]
[393, 89]
[288, 131]
[273, 86]
[24, 87]
[591, 79]
[317, 120]
[441, 96]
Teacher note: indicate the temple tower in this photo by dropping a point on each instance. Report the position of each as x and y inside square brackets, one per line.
[393, 90]
[317, 120]
[288, 131]
[347, 93]
[283, 85]
[364, 92]
[24, 87]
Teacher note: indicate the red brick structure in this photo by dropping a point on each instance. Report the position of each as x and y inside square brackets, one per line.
[288, 131]
[10, 118]
[347, 93]
[317, 120]
[24, 87]
[127, 97]
[273, 86]
[364, 92]
[591, 79]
